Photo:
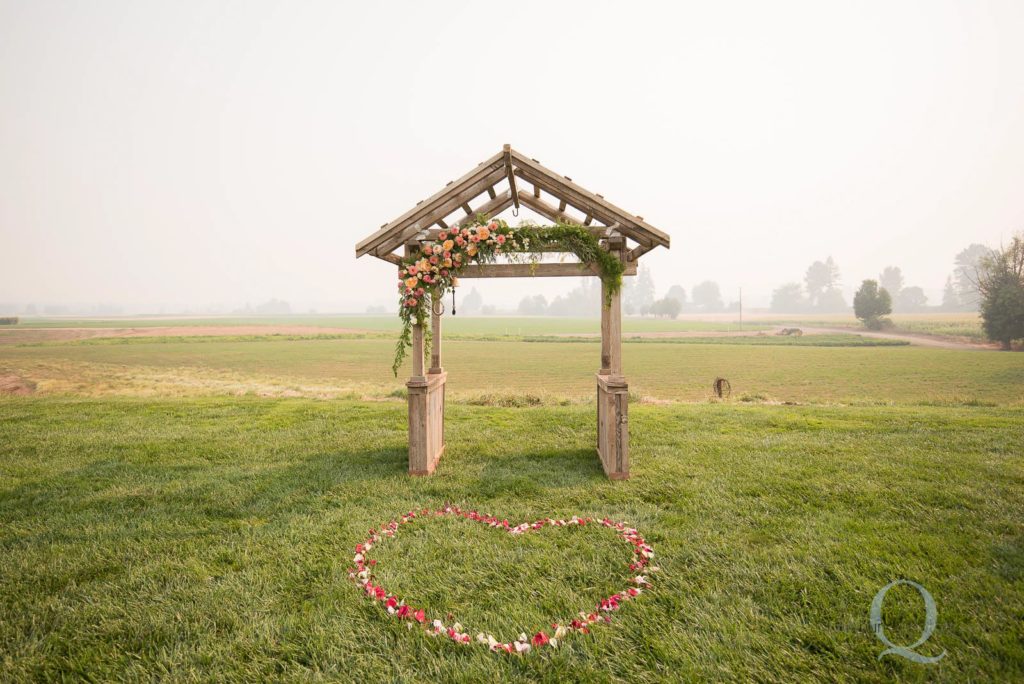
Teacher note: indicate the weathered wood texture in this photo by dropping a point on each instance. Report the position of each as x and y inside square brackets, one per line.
[613, 425]
[542, 270]
[427, 389]
[510, 165]
[426, 422]
[435, 341]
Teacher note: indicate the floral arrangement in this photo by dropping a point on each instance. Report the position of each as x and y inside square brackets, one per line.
[362, 575]
[426, 276]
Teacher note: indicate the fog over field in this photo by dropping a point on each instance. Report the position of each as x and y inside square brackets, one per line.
[194, 156]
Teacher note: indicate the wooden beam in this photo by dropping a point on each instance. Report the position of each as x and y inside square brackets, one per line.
[542, 270]
[465, 208]
[485, 169]
[578, 203]
[638, 251]
[389, 257]
[490, 192]
[589, 210]
[440, 222]
[510, 173]
[536, 192]
[564, 183]
[490, 208]
[443, 208]
[546, 210]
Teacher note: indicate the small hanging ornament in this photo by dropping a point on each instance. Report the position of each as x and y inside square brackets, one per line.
[453, 301]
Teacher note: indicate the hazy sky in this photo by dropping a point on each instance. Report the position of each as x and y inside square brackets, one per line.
[195, 153]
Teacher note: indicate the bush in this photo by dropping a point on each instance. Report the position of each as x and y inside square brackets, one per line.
[1001, 286]
[871, 303]
[9, 320]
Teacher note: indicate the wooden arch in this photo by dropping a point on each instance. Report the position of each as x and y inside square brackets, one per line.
[510, 179]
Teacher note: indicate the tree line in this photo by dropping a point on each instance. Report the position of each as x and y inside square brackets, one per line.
[988, 280]
[819, 292]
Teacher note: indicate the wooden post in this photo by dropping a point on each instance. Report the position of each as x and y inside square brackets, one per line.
[606, 354]
[435, 341]
[612, 389]
[615, 335]
[417, 351]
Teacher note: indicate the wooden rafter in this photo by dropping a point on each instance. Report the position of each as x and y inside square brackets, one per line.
[510, 174]
[485, 169]
[567, 189]
[512, 166]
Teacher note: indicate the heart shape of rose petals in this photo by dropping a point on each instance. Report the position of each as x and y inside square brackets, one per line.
[362, 575]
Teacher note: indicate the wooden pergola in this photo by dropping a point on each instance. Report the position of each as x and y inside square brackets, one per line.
[506, 180]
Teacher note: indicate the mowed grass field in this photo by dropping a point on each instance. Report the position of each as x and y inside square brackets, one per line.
[210, 539]
[187, 508]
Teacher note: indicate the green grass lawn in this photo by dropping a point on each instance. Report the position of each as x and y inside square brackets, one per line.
[550, 372]
[211, 538]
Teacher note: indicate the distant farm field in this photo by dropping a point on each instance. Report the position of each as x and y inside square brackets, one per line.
[496, 368]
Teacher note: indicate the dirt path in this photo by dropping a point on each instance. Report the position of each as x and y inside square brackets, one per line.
[914, 339]
[919, 340]
[32, 335]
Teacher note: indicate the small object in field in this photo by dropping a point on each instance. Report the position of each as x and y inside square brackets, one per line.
[9, 320]
[796, 332]
[722, 388]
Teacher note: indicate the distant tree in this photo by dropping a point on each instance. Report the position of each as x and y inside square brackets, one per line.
[375, 309]
[677, 293]
[788, 298]
[533, 306]
[275, 307]
[832, 301]
[821, 276]
[911, 299]
[871, 303]
[638, 292]
[30, 310]
[472, 303]
[891, 280]
[950, 297]
[488, 310]
[966, 275]
[707, 297]
[1000, 282]
[667, 307]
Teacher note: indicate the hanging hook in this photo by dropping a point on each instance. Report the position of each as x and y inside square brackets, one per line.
[515, 211]
[435, 304]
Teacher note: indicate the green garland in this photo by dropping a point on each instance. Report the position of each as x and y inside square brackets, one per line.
[425, 277]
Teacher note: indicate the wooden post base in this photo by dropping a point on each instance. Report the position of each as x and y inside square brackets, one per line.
[426, 422]
[613, 425]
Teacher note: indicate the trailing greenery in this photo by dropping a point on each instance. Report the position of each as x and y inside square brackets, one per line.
[426, 276]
